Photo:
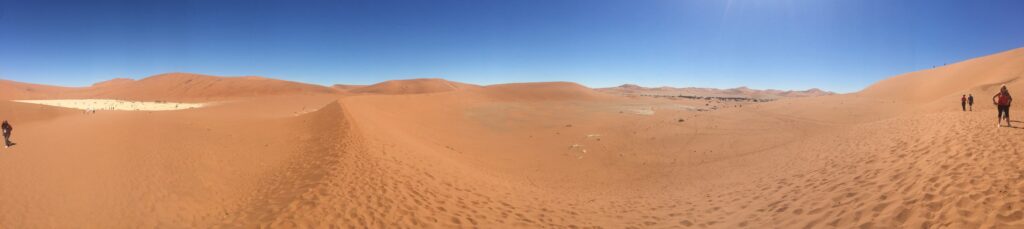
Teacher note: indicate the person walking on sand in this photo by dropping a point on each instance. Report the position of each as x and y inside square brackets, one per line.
[970, 102]
[963, 102]
[6, 127]
[1002, 101]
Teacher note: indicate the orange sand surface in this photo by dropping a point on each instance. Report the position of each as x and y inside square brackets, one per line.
[431, 153]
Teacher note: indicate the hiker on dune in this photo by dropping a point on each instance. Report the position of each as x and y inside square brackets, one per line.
[963, 102]
[970, 102]
[1002, 101]
[6, 127]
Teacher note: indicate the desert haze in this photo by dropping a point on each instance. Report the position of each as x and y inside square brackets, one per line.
[248, 152]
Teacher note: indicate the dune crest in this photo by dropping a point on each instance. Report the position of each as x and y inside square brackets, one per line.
[413, 86]
[179, 87]
[18, 90]
[193, 87]
[541, 91]
[113, 82]
[981, 76]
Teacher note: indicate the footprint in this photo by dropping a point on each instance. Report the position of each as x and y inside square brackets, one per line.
[1012, 217]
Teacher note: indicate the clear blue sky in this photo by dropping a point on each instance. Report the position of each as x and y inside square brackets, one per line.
[785, 44]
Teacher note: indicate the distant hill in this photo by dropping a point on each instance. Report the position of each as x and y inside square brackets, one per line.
[739, 92]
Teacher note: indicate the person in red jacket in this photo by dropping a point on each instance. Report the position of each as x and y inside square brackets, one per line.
[963, 102]
[1002, 101]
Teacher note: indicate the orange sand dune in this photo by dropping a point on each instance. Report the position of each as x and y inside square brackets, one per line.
[541, 91]
[980, 76]
[412, 86]
[165, 87]
[18, 90]
[195, 87]
[345, 88]
[116, 82]
[439, 154]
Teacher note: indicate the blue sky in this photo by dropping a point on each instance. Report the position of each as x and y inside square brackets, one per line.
[784, 44]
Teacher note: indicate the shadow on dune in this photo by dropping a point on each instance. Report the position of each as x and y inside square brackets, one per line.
[1016, 126]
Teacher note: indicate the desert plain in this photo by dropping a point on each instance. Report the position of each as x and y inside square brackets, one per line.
[252, 152]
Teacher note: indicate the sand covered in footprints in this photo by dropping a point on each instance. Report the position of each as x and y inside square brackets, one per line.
[432, 153]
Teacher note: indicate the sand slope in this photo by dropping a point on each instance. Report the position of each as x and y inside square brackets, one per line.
[530, 155]
[136, 169]
[980, 76]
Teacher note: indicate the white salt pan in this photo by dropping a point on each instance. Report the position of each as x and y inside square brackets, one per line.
[110, 104]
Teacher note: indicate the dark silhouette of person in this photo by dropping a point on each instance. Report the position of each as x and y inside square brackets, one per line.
[963, 102]
[1002, 101]
[7, 133]
[970, 102]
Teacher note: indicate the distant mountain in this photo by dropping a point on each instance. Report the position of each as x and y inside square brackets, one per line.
[739, 92]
